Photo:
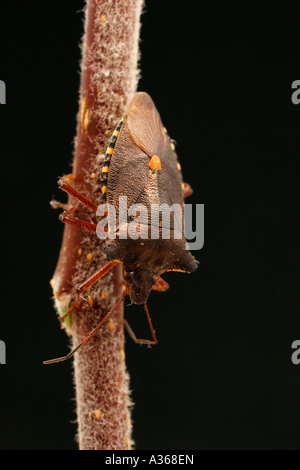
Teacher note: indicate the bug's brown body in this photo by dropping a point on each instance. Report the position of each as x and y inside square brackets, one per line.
[141, 164]
[142, 138]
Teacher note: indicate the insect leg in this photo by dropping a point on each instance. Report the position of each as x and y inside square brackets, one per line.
[87, 283]
[81, 223]
[96, 276]
[64, 358]
[161, 285]
[59, 205]
[142, 341]
[64, 184]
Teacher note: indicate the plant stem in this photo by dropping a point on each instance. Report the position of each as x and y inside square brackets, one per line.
[109, 77]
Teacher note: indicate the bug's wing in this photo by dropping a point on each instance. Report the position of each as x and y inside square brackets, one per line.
[141, 136]
[128, 171]
[171, 176]
[145, 128]
[165, 186]
[144, 125]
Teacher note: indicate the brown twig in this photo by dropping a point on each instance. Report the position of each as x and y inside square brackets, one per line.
[109, 77]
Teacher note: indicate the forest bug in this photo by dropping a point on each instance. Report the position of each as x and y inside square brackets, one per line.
[141, 164]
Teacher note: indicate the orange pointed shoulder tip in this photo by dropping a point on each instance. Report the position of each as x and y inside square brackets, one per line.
[155, 163]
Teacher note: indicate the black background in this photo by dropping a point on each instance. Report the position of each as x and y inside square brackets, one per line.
[221, 376]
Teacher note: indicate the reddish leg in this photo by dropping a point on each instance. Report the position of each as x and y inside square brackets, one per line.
[64, 184]
[161, 285]
[87, 283]
[64, 358]
[142, 341]
[65, 217]
[81, 223]
[95, 277]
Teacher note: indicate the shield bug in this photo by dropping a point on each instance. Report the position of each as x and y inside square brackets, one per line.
[141, 165]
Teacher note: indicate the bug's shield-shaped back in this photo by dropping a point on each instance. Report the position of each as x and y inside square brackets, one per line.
[141, 137]
[145, 127]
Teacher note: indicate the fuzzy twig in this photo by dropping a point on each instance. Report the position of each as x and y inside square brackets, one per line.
[109, 77]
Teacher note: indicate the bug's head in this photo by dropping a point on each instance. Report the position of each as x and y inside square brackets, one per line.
[139, 284]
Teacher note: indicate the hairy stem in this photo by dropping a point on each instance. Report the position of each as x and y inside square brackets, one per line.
[109, 77]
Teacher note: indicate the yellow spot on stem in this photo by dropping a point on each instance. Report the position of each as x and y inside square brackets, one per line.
[90, 301]
[82, 109]
[84, 115]
[89, 257]
[102, 18]
[93, 176]
[86, 120]
[98, 414]
[122, 355]
[104, 294]
[178, 166]
[111, 324]
[79, 251]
